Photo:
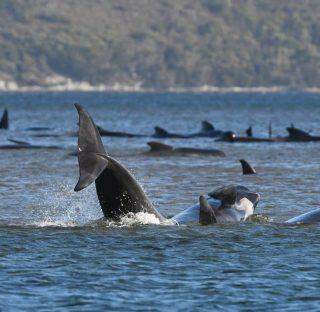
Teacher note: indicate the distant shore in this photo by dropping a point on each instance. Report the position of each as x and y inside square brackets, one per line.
[65, 84]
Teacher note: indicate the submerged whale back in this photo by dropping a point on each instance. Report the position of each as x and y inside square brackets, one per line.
[306, 218]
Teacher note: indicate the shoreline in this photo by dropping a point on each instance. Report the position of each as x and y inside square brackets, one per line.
[67, 85]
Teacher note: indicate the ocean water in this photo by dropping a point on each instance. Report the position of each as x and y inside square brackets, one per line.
[56, 254]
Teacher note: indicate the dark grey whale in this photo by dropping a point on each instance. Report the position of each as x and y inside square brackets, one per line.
[4, 122]
[246, 167]
[121, 134]
[20, 145]
[119, 193]
[207, 131]
[161, 149]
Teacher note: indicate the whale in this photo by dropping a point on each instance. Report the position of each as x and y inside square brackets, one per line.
[161, 149]
[21, 145]
[4, 122]
[309, 217]
[298, 135]
[294, 135]
[108, 133]
[38, 128]
[227, 204]
[246, 167]
[207, 130]
[119, 193]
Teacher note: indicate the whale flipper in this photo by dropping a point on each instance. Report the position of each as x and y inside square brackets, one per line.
[4, 122]
[118, 191]
[246, 168]
[159, 147]
[206, 126]
[206, 212]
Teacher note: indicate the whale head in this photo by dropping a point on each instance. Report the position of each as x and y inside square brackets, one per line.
[237, 203]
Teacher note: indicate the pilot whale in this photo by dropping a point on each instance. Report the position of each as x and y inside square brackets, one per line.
[22, 145]
[4, 122]
[294, 135]
[207, 131]
[119, 193]
[161, 149]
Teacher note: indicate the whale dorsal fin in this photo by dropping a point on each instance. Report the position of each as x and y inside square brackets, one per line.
[246, 168]
[158, 147]
[158, 131]
[4, 122]
[19, 142]
[206, 212]
[249, 132]
[296, 133]
[90, 149]
[206, 126]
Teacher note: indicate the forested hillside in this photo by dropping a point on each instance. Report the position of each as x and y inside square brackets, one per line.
[162, 43]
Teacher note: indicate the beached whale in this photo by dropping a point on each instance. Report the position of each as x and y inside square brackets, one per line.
[207, 131]
[119, 193]
[161, 149]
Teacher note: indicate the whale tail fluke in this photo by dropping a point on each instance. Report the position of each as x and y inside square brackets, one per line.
[118, 191]
[4, 122]
[160, 132]
[246, 167]
[206, 126]
[90, 150]
[206, 212]
[159, 147]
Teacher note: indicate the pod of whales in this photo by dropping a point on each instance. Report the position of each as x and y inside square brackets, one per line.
[161, 149]
[119, 193]
[207, 131]
[294, 135]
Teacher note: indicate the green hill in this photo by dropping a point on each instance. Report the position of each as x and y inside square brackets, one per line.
[162, 43]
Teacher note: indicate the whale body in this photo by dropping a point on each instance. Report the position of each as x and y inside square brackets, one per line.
[161, 149]
[207, 131]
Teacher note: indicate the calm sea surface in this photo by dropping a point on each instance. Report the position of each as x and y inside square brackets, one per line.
[54, 255]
